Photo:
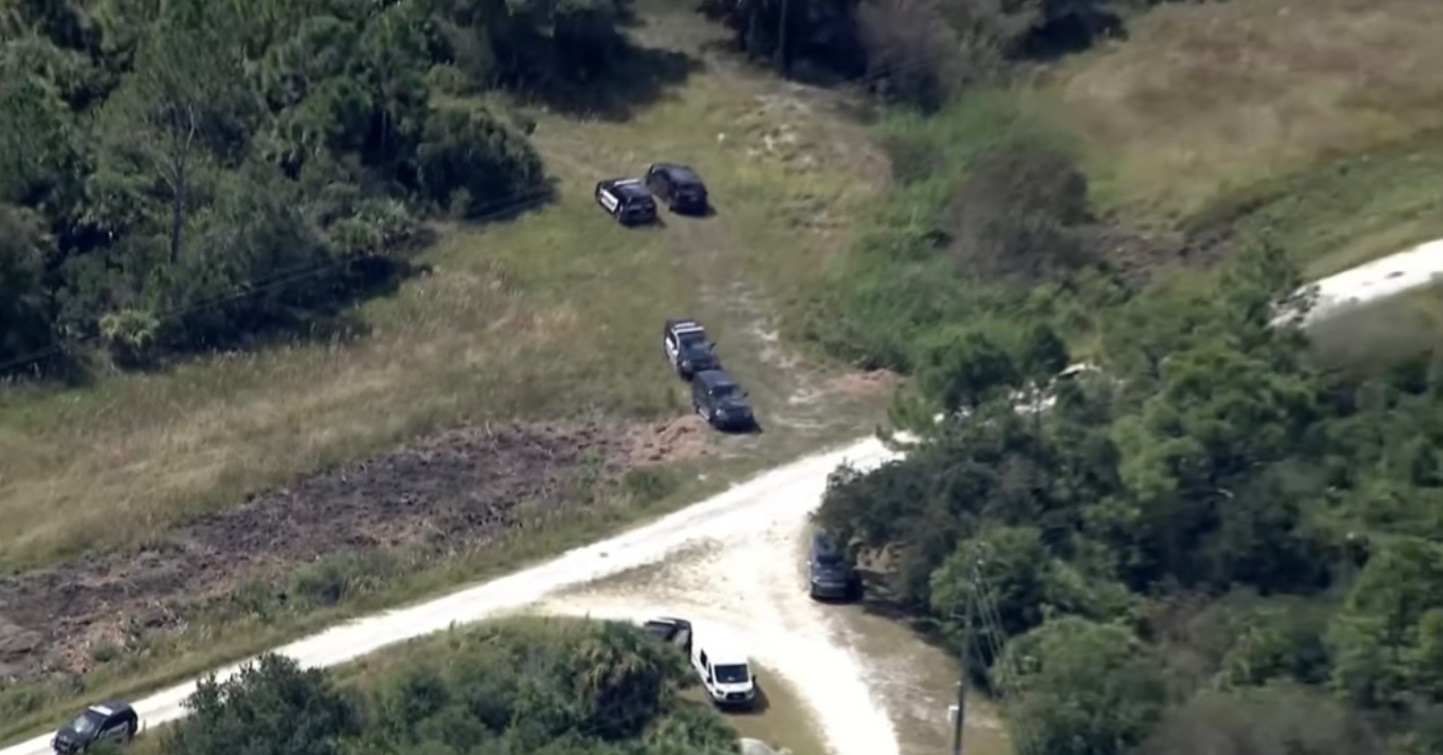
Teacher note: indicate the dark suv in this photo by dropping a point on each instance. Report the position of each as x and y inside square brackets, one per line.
[830, 573]
[677, 185]
[102, 722]
[626, 199]
[721, 401]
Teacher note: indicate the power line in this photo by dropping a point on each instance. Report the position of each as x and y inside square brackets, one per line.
[498, 208]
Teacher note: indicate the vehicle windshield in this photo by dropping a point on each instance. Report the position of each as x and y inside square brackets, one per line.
[725, 391]
[86, 723]
[829, 559]
[736, 673]
[695, 347]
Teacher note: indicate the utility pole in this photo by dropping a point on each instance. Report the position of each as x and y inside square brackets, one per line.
[968, 607]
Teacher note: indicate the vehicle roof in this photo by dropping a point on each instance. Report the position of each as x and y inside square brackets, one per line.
[683, 324]
[715, 377]
[678, 170]
[109, 707]
[633, 187]
[720, 645]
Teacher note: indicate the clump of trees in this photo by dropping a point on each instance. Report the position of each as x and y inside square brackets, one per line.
[187, 175]
[528, 687]
[920, 52]
[1214, 543]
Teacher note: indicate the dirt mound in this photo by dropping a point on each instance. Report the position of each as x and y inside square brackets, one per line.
[680, 439]
[448, 492]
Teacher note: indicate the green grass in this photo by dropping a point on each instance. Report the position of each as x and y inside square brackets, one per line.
[1203, 99]
[1316, 124]
[1343, 212]
[544, 316]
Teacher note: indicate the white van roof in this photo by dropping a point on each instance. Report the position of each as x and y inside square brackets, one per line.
[721, 646]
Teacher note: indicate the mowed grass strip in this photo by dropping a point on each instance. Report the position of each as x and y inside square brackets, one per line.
[542, 316]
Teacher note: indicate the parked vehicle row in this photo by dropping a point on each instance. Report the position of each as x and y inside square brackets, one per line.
[632, 201]
[715, 395]
[717, 657]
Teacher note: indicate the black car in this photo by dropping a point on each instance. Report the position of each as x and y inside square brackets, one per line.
[626, 199]
[669, 630]
[687, 347]
[720, 400]
[677, 185]
[108, 721]
[830, 573]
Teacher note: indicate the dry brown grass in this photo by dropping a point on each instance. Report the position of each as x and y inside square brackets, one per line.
[1203, 98]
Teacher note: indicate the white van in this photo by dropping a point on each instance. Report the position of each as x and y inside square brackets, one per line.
[725, 669]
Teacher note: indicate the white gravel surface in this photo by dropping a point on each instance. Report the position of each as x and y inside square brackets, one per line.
[1381, 279]
[751, 580]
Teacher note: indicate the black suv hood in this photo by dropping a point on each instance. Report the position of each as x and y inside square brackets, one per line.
[66, 740]
[734, 406]
[831, 572]
[701, 359]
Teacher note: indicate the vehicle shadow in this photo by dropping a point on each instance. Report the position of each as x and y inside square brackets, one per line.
[709, 211]
[755, 428]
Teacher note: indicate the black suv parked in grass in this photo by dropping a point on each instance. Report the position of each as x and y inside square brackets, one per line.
[679, 186]
[687, 347]
[626, 199]
[720, 401]
[830, 572]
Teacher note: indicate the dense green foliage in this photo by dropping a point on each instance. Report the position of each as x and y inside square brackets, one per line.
[514, 688]
[1213, 531]
[186, 175]
[916, 51]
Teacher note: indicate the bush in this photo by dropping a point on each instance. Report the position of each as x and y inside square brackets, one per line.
[468, 150]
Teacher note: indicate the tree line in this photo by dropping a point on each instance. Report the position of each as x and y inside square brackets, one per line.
[521, 687]
[917, 52]
[182, 175]
[1216, 542]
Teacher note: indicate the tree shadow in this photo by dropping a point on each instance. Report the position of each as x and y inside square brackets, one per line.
[880, 600]
[636, 77]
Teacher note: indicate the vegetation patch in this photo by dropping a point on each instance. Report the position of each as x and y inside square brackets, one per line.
[522, 686]
[1218, 523]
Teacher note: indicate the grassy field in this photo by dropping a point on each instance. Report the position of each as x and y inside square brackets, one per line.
[1313, 122]
[543, 316]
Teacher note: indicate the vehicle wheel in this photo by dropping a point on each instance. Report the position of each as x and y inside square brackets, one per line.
[130, 734]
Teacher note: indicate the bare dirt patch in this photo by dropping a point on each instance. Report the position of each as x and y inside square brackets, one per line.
[455, 491]
[682, 439]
